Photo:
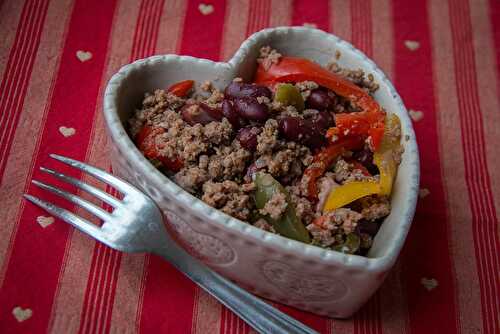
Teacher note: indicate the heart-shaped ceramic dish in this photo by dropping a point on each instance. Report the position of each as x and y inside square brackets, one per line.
[307, 277]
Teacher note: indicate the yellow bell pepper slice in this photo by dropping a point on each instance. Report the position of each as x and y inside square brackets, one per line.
[385, 160]
[384, 156]
[349, 192]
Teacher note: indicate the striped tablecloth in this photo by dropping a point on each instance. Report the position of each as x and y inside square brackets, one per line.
[55, 59]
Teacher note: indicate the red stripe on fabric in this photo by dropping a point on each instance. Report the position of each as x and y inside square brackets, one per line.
[110, 291]
[495, 27]
[223, 321]
[101, 288]
[138, 31]
[91, 289]
[367, 320]
[306, 12]
[316, 322]
[165, 309]
[18, 71]
[361, 26]
[105, 301]
[96, 304]
[72, 105]
[156, 25]
[20, 77]
[484, 217]
[202, 34]
[168, 299]
[25, 23]
[476, 171]
[99, 296]
[426, 253]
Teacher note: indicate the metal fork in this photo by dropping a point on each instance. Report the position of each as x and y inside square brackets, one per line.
[136, 225]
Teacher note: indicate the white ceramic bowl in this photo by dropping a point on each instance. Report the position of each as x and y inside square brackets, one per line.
[307, 277]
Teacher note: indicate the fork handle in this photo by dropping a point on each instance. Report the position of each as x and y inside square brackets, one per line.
[263, 317]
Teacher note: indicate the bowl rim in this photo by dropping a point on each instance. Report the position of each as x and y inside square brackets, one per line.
[120, 138]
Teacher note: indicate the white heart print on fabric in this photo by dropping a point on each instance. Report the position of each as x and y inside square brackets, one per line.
[83, 56]
[45, 221]
[21, 314]
[67, 132]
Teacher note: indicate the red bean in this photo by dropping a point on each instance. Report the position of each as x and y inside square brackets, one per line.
[232, 115]
[320, 99]
[250, 109]
[200, 113]
[301, 131]
[365, 157]
[322, 121]
[237, 90]
[368, 227]
[248, 137]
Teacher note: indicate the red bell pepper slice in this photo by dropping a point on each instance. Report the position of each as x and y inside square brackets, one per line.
[146, 143]
[368, 123]
[324, 159]
[181, 88]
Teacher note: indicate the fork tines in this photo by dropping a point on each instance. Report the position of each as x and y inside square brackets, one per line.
[69, 217]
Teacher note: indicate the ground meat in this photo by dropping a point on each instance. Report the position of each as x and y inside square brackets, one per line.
[345, 172]
[268, 138]
[192, 142]
[228, 162]
[268, 57]
[356, 76]
[374, 207]
[287, 161]
[217, 169]
[203, 162]
[191, 178]
[229, 197]
[321, 237]
[303, 207]
[289, 111]
[215, 99]
[305, 88]
[153, 106]
[218, 132]
[206, 86]
[334, 226]
[281, 163]
[263, 224]
[276, 206]
[263, 99]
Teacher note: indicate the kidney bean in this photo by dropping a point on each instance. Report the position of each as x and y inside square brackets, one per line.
[368, 227]
[232, 115]
[320, 99]
[237, 90]
[251, 109]
[248, 137]
[365, 157]
[322, 121]
[301, 131]
[200, 113]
